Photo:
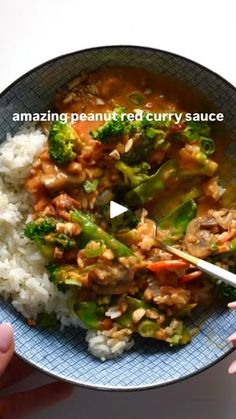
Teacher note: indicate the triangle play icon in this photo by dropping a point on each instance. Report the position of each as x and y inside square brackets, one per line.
[116, 209]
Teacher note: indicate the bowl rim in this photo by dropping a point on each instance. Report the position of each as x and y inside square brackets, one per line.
[46, 370]
[123, 389]
[140, 47]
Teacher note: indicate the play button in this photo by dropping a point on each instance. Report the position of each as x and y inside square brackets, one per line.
[116, 209]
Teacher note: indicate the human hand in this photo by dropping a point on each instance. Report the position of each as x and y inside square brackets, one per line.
[232, 339]
[12, 370]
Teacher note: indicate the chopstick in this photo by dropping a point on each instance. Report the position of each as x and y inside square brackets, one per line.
[204, 266]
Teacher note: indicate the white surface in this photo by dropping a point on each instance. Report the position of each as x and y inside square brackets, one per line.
[116, 209]
[34, 31]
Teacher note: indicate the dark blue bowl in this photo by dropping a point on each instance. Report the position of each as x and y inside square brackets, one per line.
[63, 354]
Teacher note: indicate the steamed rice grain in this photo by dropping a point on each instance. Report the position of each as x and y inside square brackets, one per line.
[23, 278]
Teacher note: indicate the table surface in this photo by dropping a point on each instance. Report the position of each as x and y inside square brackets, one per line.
[33, 32]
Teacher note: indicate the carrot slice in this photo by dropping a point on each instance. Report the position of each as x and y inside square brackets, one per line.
[167, 265]
[191, 276]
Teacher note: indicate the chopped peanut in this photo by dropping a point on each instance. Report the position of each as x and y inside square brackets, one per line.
[138, 314]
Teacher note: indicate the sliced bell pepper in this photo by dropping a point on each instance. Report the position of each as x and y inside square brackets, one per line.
[191, 276]
[167, 265]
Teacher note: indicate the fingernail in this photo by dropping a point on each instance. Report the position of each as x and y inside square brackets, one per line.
[6, 337]
[232, 305]
[232, 368]
[232, 338]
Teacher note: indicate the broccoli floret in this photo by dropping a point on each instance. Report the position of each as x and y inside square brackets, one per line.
[37, 230]
[225, 291]
[151, 134]
[40, 227]
[43, 232]
[139, 151]
[90, 186]
[229, 292]
[52, 271]
[61, 239]
[193, 130]
[64, 275]
[109, 131]
[62, 141]
[133, 175]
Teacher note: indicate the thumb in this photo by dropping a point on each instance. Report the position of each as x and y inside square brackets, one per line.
[6, 345]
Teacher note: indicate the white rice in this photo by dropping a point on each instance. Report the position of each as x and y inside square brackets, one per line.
[23, 278]
[113, 312]
[105, 347]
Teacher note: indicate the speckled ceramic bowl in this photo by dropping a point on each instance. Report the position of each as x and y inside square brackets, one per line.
[64, 354]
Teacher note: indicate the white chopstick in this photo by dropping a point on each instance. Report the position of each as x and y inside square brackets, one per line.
[204, 266]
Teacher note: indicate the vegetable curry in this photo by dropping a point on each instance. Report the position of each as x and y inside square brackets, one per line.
[169, 178]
